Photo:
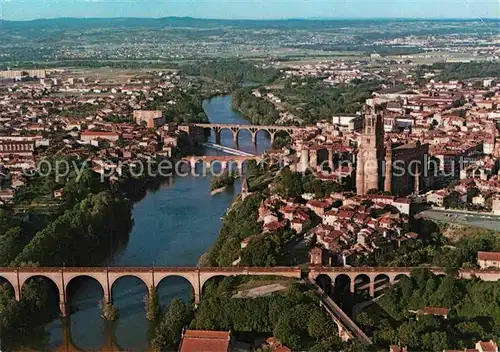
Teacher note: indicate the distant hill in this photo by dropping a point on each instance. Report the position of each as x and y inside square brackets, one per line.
[83, 23]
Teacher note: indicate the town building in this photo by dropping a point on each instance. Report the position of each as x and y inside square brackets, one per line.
[438, 311]
[150, 118]
[204, 340]
[406, 169]
[487, 260]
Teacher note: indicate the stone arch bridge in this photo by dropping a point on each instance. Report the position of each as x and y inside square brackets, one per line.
[253, 129]
[377, 278]
[151, 277]
[197, 277]
[224, 161]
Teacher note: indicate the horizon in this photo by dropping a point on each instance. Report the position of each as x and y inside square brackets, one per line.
[251, 10]
[263, 19]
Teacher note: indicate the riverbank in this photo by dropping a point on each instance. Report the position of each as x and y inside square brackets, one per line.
[175, 221]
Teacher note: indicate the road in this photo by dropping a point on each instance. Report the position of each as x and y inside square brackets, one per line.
[339, 315]
[225, 149]
[486, 221]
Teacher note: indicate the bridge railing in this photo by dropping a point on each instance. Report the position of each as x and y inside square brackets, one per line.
[271, 270]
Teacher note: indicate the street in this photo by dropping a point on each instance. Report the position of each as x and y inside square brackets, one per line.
[486, 221]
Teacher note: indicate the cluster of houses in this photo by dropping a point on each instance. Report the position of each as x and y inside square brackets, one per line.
[109, 126]
[342, 227]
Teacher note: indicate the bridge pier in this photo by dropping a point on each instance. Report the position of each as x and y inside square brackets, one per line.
[217, 131]
[272, 136]
[254, 137]
[352, 284]
[63, 308]
[372, 287]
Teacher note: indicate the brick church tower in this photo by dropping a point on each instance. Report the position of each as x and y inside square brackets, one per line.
[371, 154]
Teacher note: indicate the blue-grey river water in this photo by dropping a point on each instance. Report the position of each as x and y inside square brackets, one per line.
[173, 226]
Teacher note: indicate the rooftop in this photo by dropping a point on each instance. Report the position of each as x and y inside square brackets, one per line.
[204, 340]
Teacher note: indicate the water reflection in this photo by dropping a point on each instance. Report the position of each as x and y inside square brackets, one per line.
[173, 226]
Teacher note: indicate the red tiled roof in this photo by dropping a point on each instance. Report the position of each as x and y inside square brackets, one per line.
[488, 346]
[344, 214]
[288, 209]
[203, 340]
[98, 133]
[434, 311]
[488, 256]
[275, 225]
[318, 203]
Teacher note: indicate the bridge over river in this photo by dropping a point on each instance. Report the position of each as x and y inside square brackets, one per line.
[228, 150]
[198, 276]
[151, 277]
[235, 129]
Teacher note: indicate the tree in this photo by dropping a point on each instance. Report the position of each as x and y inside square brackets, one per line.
[319, 326]
[168, 334]
[365, 320]
[284, 331]
[152, 305]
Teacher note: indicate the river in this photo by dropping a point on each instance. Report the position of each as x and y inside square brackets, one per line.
[173, 226]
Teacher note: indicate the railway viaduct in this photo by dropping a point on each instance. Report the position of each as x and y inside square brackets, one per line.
[151, 277]
[253, 129]
[377, 278]
[198, 276]
[224, 161]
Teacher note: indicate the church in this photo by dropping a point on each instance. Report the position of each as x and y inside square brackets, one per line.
[381, 166]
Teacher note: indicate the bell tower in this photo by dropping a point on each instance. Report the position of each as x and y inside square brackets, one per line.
[370, 154]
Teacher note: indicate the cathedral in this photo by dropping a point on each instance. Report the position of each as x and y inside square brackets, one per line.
[396, 169]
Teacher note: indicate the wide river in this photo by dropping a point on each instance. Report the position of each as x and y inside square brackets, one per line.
[173, 226]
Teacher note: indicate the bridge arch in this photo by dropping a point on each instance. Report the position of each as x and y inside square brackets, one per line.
[260, 131]
[172, 286]
[73, 278]
[219, 131]
[55, 286]
[342, 280]
[217, 276]
[250, 132]
[54, 277]
[325, 282]
[396, 278]
[146, 281]
[362, 284]
[4, 282]
[380, 283]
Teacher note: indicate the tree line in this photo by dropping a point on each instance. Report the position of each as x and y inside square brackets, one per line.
[474, 313]
[293, 316]
[82, 228]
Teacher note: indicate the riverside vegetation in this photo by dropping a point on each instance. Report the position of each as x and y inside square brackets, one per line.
[474, 313]
[292, 316]
[227, 178]
[309, 101]
[91, 219]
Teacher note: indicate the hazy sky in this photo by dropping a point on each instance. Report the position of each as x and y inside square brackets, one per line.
[249, 9]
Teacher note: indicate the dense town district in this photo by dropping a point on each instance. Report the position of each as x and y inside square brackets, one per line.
[370, 224]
